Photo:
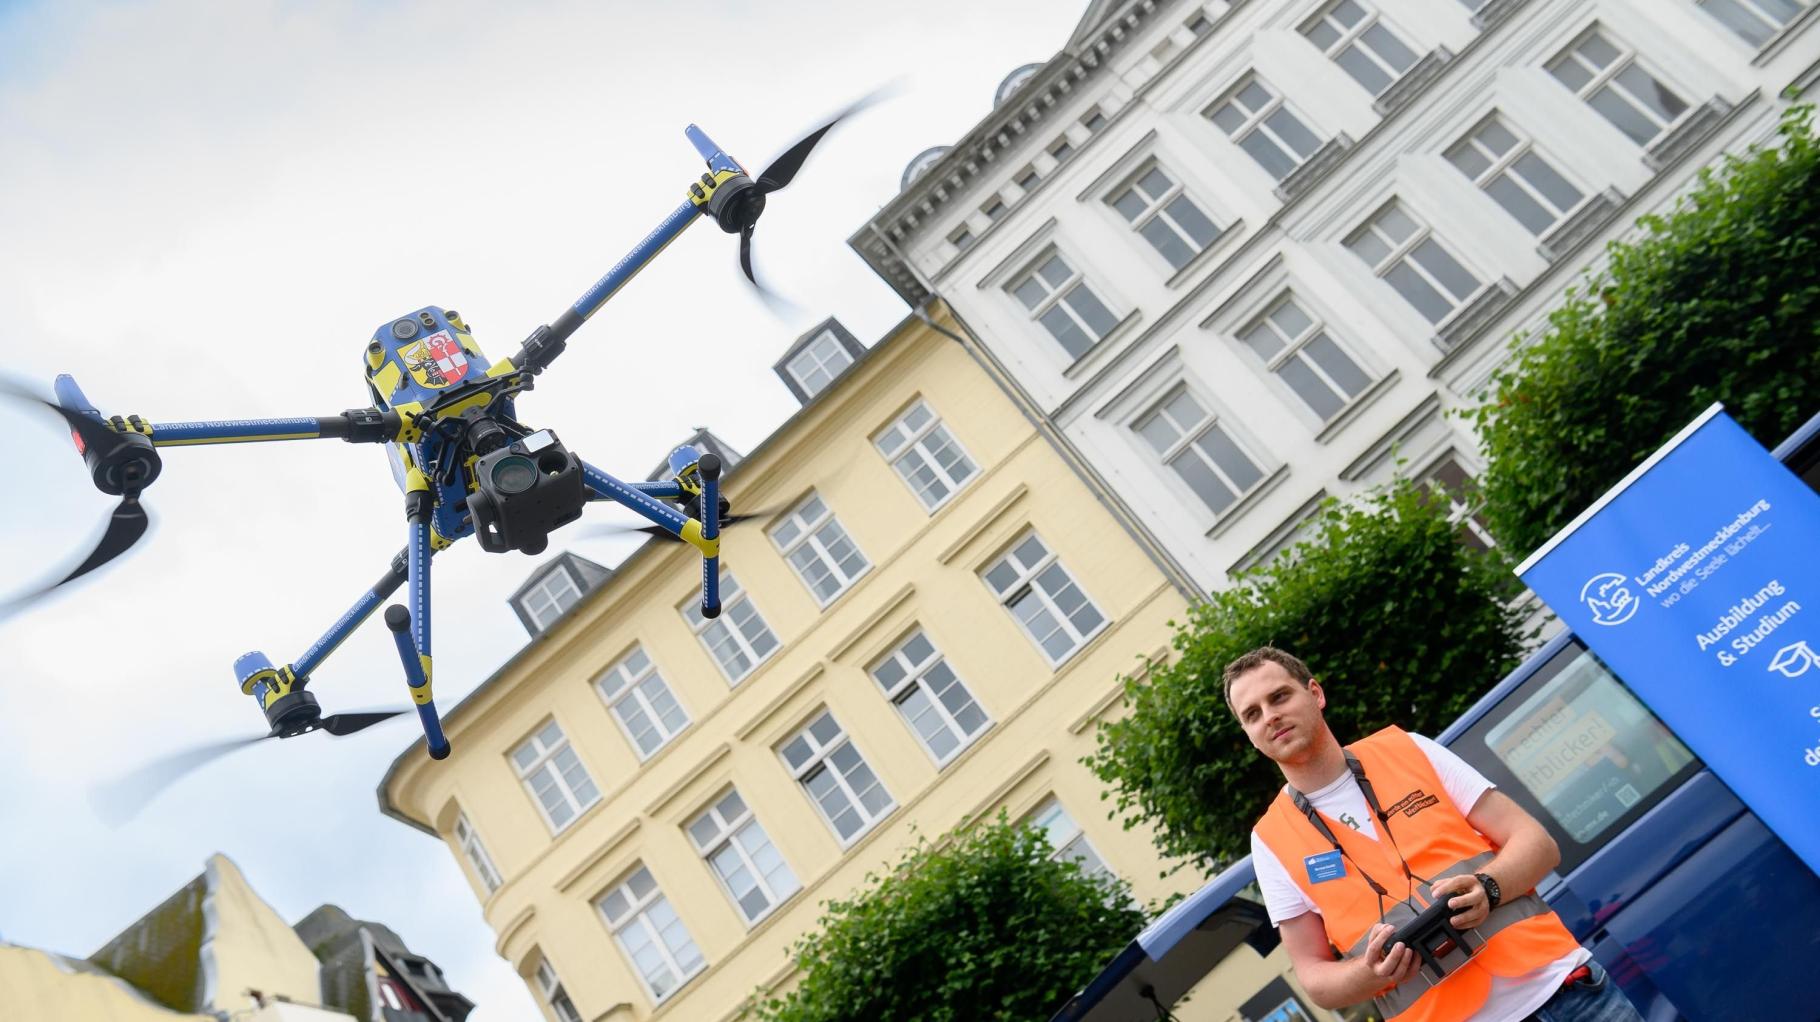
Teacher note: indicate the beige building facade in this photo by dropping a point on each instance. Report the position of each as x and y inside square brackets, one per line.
[651, 808]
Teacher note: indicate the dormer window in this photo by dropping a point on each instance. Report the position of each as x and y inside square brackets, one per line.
[819, 363]
[548, 597]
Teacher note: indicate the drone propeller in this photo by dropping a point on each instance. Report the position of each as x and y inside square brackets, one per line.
[120, 800]
[778, 175]
[129, 520]
[615, 528]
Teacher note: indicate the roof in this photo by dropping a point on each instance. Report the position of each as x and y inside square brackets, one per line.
[650, 548]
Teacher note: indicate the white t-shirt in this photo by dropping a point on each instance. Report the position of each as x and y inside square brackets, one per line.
[1512, 998]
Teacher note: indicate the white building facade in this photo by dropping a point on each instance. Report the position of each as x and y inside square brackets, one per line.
[1251, 254]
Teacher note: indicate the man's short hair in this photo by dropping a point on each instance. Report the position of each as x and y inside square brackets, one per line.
[1258, 658]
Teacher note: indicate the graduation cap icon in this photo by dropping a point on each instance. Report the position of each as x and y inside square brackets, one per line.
[1794, 659]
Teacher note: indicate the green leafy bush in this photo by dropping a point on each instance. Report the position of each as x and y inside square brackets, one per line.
[1715, 302]
[986, 926]
[1400, 621]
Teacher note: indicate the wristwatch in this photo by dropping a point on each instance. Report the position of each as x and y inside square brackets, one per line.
[1492, 894]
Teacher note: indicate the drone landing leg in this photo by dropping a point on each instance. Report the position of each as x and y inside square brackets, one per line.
[411, 628]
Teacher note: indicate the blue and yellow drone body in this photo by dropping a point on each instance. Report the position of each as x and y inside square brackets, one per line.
[465, 462]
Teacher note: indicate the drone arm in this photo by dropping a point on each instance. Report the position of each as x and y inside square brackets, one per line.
[362, 609]
[356, 426]
[667, 490]
[633, 496]
[709, 196]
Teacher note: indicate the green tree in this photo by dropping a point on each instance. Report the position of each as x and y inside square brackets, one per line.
[1401, 621]
[1716, 301]
[983, 926]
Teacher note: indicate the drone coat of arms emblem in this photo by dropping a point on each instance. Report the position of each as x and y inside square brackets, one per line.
[437, 361]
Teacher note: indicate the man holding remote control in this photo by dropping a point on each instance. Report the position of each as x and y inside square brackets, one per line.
[1364, 838]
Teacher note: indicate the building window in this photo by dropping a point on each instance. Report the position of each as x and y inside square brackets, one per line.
[553, 994]
[961, 239]
[1258, 121]
[1067, 840]
[930, 696]
[1199, 25]
[1508, 169]
[641, 702]
[1199, 450]
[1057, 297]
[1405, 254]
[1350, 33]
[994, 209]
[1044, 599]
[738, 639]
[824, 761]
[648, 930]
[554, 776]
[1611, 82]
[751, 871]
[1093, 120]
[1448, 481]
[925, 455]
[476, 854]
[1170, 221]
[1061, 150]
[1295, 346]
[812, 540]
[1028, 178]
[1754, 21]
[819, 363]
[545, 601]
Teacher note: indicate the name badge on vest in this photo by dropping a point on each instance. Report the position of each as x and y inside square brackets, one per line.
[1324, 867]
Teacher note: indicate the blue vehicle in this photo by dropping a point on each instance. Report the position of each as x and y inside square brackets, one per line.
[1694, 907]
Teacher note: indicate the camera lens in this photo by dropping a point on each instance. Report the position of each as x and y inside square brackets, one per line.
[514, 475]
[404, 329]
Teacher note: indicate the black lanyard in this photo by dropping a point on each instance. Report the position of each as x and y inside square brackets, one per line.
[1371, 799]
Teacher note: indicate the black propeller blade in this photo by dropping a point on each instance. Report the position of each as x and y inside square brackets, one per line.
[779, 174]
[614, 528]
[125, 526]
[121, 799]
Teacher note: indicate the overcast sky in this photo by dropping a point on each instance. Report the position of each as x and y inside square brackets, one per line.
[205, 211]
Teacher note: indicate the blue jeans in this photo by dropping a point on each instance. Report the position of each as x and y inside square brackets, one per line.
[1593, 999]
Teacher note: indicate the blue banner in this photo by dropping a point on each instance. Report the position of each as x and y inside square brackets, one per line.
[1697, 579]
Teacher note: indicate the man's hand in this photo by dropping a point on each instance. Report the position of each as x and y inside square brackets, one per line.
[1390, 965]
[1466, 896]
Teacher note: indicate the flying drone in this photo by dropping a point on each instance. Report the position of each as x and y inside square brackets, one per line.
[465, 461]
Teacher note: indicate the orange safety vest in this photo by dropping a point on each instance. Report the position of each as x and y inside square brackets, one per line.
[1432, 836]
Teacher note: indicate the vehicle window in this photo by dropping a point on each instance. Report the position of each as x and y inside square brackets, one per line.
[1578, 750]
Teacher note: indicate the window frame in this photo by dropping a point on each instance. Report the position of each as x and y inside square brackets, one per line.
[546, 758]
[1506, 166]
[822, 365]
[820, 754]
[637, 909]
[1752, 8]
[915, 441]
[630, 691]
[1056, 297]
[1460, 513]
[549, 985]
[475, 852]
[725, 838]
[731, 593]
[809, 535]
[1355, 36]
[915, 679]
[1157, 208]
[1295, 347]
[1259, 121]
[541, 588]
[1025, 582]
[1052, 804]
[1403, 252]
[1187, 438]
[1607, 76]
